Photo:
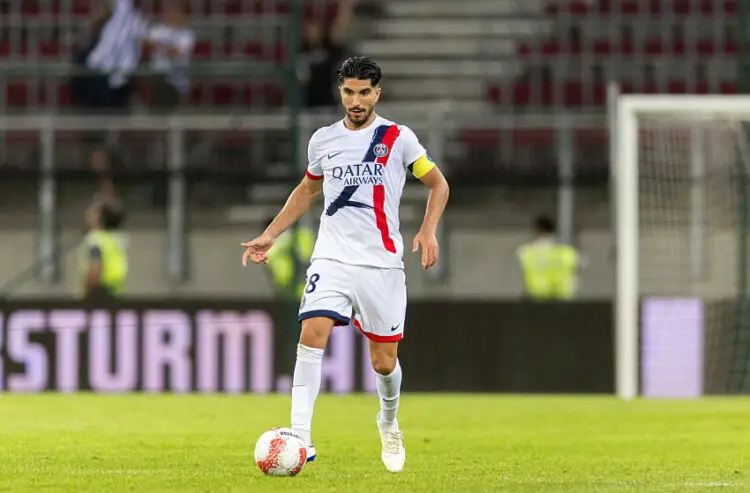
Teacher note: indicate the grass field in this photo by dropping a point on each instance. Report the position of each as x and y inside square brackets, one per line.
[454, 443]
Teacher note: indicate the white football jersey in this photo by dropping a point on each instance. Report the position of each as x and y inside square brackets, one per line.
[363, 173]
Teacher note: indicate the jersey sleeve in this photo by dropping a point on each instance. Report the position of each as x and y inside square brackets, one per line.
[314, 160]
[414, 154]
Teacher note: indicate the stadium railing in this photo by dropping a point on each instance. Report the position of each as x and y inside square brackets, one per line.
[236, 150]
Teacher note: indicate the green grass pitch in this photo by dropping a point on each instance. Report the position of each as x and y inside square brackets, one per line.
[455, 443]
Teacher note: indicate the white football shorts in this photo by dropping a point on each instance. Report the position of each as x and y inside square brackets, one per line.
[370, 298]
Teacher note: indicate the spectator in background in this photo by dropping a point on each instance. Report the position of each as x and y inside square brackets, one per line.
[115, 57]
[82, 44]
[111, 51]
[103, 264]
[100, 165]
[289, 256]
[549, 267]
[323, 48]
[287, 261]
[171, 44]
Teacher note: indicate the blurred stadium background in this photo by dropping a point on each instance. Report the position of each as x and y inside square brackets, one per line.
[194, 116]
[509, 96]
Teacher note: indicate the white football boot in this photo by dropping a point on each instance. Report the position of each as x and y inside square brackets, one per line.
[311, 453]
[392, 440]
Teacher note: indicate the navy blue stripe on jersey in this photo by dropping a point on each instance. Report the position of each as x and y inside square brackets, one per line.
[377, 138]
[343, 200]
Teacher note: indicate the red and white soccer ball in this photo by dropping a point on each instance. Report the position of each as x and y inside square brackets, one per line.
[280, 452]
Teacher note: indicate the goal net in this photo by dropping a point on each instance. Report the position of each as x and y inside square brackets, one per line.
[683, 199]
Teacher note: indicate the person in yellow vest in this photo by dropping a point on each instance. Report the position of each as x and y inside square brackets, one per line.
[103, 263]
[287, 262]
[288, 259]
[549, 268]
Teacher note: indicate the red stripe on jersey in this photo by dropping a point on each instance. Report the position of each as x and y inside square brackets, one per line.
[388, 139]
[378, 191]
[378, 198]
[374, 337]
[312, 176]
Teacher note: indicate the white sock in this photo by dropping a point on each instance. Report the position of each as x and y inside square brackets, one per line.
[389, 391]
[305, 388]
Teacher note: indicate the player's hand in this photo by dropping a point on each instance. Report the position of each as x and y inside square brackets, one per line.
[430, 248]
[257, 249]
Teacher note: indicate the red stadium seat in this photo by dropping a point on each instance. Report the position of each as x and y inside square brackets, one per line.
[16, 95]
[225, 47]
[568, 7]
[586, 91]
[582, 7]
[236, 94]
[223, 95]
[21, 95]
[258, 51]
[576, 93]
[202, 50]
[525, 136]
[653, 46]
[268, 94]
[33, 8]
[52, 51]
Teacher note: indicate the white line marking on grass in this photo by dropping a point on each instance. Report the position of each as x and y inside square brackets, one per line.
[689, 484]
[714, 484]
[634, 484]
[127, 471]
[94, 472]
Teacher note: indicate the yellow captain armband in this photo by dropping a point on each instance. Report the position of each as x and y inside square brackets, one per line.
[422, 166]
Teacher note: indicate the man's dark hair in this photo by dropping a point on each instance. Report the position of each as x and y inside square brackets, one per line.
[361, 68]
[544, 224]
[112, 216]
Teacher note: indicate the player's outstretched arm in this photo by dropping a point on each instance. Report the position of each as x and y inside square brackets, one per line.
[426, 238]
[296, 206]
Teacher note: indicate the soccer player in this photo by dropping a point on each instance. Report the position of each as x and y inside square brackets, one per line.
[357, 272]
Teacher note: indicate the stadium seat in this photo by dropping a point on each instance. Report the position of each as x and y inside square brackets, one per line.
[223, 43]
[22, 95]
[52, 51]
[222, 94]
[600, 34]
[650, 47]
[45, 7]
[576, 93]
[642, 7]
[535, 152]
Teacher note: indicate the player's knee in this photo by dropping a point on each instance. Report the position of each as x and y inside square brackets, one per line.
[384, 366]
[315, 332]
[383, 360]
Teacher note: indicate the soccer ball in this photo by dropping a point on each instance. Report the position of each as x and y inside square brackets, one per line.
[280, 452]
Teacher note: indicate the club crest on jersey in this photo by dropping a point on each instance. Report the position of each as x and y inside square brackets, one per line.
[359, 174]
[380, 150]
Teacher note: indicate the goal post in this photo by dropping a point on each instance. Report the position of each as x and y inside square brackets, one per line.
[681, 198]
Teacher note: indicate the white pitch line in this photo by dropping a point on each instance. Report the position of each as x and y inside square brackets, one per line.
[634, 484]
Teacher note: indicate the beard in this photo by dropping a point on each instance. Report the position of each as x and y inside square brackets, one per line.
[359, 119]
